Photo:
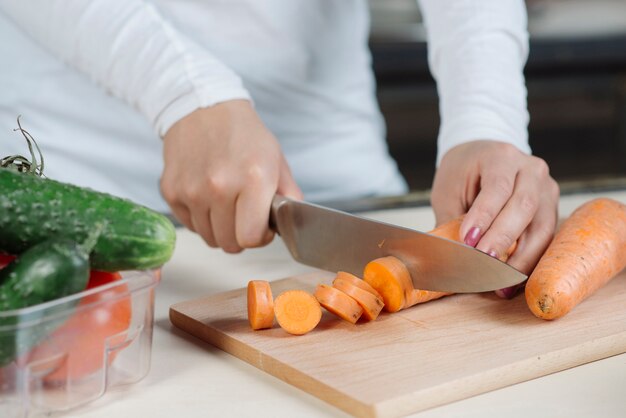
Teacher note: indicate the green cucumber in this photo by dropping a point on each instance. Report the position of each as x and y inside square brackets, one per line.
[33, 209]
[49, 270]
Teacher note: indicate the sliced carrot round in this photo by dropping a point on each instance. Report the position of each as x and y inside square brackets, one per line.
[297, 311]
[356, 281]
[390, 277]
[260, 304]
[338, 303]
[371, 304]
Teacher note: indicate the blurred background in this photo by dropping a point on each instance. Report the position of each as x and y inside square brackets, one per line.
[576, 79]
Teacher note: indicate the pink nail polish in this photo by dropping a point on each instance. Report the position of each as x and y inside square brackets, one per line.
[509, 292]
[472, 237]
[493, 254]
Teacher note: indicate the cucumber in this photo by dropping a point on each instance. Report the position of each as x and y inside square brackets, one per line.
[33, 209]
[49, 270]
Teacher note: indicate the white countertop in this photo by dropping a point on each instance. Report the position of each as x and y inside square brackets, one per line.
[189, 378]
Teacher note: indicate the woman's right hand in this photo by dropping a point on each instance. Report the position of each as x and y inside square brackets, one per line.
[222, 167]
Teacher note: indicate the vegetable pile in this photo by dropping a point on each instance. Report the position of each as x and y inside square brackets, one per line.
[58, 239]
[588, 250]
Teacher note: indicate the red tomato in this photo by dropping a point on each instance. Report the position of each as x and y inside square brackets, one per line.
[5, 259]
[84, 336]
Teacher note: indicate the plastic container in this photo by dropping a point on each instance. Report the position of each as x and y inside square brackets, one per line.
[70, 351]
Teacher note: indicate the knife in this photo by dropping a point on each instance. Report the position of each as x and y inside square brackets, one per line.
[337, 241]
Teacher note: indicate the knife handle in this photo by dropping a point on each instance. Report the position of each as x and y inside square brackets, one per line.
[277, 202]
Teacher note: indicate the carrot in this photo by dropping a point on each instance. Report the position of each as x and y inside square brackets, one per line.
[358, 282]
[297, 311]
[588, 250]
[420, 296]
[390, 277]
[452, 231]
[371, 304]
[260, 304]
[338, 303]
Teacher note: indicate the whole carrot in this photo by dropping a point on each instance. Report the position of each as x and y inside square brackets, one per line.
[588, 250]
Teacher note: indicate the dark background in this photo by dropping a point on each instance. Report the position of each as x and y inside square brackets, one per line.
[576, 80]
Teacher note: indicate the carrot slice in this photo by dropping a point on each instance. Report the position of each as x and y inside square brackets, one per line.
[390, 277]
[371, 304]
[588, 250]
[358, 282]
[260, 304]
[338, 303]
[297, 311]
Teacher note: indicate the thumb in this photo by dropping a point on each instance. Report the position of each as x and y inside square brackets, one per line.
[452, 186]
[446, 205]
[287, 186]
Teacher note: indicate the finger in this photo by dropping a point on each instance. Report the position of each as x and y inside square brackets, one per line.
[202, 225]
[287, 186]
[223, 217]
[515, 216]
[509, 292]
[252, 215]
[447, 204]
[534, 241]
[496, 187]
[447, 209]
[179, 209]
[181, 213]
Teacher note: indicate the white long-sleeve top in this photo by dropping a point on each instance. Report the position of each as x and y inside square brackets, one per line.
[97, 82]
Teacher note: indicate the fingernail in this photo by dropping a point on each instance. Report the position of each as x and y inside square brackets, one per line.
[493, 254]
[509, 292]
[505, 293]
[472, 237]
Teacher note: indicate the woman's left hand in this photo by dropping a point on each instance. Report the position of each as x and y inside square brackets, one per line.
[507, 196]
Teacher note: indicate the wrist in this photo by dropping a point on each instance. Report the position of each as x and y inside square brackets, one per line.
[189, 104]
[217, 113]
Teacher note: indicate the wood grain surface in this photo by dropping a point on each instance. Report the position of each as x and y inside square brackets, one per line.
[428, 355]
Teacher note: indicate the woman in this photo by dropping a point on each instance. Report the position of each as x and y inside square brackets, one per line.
[253, 98]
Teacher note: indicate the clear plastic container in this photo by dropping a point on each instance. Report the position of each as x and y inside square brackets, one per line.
[67, 352]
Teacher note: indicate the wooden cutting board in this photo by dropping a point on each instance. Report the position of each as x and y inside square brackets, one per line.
[425, 356]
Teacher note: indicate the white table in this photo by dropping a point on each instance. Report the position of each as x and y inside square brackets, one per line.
[189, 378]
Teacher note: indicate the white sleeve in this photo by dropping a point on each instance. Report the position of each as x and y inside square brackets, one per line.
[130, 50]
[477, 51]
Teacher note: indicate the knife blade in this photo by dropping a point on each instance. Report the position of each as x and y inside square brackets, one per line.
[338, 241]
